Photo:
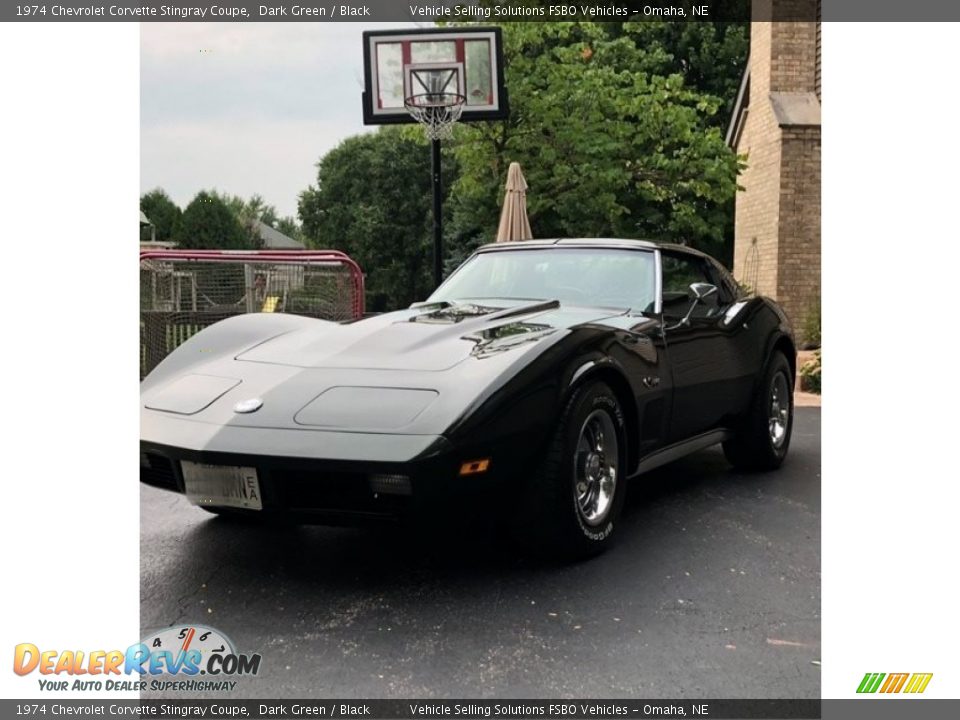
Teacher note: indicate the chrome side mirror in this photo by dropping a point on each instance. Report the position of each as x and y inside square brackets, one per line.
[701, 291]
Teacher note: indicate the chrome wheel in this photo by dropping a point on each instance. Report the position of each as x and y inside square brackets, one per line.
[595, 467]
[779, 416]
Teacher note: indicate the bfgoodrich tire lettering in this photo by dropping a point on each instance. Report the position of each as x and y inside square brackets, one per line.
[574, 499]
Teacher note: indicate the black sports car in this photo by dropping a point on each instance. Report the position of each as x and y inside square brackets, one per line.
[546, 371]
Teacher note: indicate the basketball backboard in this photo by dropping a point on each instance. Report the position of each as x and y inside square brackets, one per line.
[464, 61]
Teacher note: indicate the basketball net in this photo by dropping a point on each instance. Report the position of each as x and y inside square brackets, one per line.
[437, 112]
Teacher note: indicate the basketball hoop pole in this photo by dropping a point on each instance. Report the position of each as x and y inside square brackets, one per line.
[437, 213]
[434, 76]
[437, 112]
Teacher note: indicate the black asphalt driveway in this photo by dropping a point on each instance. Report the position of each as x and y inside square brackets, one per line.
[713, 591]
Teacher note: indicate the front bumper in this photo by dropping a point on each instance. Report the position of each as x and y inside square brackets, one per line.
[325, 476]
[317, 475]
[336, 488]
[313, 490]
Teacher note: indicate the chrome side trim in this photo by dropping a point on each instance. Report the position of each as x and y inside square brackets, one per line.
[681, 449]
[657, 282]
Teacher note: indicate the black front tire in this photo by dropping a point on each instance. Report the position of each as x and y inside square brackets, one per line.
[552, 518]
[756, 445]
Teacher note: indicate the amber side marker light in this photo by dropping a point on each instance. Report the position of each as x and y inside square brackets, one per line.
[475, 467]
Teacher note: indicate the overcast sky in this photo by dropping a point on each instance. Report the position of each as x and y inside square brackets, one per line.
[246, 107]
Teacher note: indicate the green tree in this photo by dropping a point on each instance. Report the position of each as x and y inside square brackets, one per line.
[711, 56]
[209, 224]
[162, 212]
[256, 208]
[248, 212]
[612, 141]
[373, 201]
[289, 227]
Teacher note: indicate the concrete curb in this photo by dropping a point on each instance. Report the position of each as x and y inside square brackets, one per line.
[805, 399]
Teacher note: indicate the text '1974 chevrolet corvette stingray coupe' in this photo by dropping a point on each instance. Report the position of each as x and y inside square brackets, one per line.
[544, 373]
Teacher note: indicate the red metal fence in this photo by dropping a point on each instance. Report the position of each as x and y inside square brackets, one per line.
[184, 291]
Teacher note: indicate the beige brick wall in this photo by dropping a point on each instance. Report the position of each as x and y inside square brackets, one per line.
[777, 223]
[758, 204]
[793, 59]
[818, 70]
[798, 278]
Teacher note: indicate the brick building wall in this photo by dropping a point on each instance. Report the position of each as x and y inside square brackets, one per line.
[793, 53]
[756, 221]
[777, 127]
[798, 276]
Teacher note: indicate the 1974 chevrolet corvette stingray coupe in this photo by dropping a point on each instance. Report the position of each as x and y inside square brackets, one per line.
[545, 373]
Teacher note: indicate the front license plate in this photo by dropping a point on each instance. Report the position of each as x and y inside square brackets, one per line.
[222, 485]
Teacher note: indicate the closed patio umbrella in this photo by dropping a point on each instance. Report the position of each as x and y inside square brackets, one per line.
[514, 223]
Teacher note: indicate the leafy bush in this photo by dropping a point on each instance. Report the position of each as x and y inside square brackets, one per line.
[810, 374]
[811, 327]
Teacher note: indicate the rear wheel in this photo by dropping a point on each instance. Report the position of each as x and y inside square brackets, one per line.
[574, 498]
[763, 439]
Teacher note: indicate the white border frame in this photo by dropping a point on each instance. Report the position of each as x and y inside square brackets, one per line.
[374, 40]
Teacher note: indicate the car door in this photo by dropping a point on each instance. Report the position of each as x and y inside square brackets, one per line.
[704, 356]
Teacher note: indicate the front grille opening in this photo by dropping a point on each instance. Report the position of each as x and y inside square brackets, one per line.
[335, 491]
[390, 484]
[157, 470]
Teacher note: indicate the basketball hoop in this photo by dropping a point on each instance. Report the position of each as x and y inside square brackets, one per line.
[437, 77]
[437, 112]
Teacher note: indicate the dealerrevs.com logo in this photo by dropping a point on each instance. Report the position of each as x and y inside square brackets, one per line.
[184, 652]
[894, 683]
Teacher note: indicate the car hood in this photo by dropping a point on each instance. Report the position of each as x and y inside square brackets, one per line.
[429, 338]
[414, 371]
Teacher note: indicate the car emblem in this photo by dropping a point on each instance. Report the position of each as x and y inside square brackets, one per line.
[248, 406]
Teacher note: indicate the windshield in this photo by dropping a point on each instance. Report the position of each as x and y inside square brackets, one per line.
[604, 277]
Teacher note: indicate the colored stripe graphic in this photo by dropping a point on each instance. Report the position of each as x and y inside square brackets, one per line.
[918, 682]
[870, 682]
[894, 682]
